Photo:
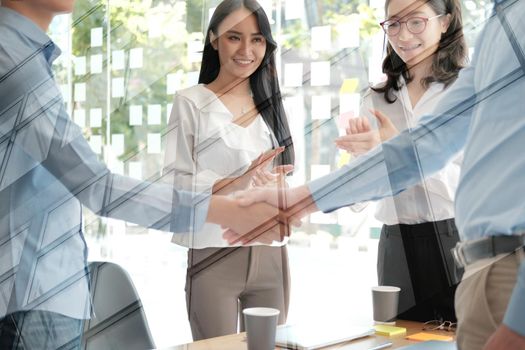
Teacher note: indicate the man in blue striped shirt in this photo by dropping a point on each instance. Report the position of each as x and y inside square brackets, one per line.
[47, 170]
[484, 113]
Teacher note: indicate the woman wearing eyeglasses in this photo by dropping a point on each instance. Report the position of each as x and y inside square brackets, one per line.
[425, 52]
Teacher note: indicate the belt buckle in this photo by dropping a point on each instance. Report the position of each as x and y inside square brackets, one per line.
[459, 258]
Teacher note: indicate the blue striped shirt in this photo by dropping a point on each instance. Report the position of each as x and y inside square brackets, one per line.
[47, 171]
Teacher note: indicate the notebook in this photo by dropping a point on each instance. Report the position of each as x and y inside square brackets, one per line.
[368, 343]
[310, 337]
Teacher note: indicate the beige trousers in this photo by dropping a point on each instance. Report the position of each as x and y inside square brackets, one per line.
[221, 282]
[481, 301]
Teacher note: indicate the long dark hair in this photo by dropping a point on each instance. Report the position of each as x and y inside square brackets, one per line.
[449, 58]
[263, 82]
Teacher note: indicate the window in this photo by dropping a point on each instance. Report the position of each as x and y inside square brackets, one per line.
[122, 63]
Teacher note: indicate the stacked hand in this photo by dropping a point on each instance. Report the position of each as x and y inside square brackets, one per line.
[256, 221]
[289, 205]
[277, 226]
[360, 137]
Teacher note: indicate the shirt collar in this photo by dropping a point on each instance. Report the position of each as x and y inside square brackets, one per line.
[432, 85]
[27, 28]
[433, 89]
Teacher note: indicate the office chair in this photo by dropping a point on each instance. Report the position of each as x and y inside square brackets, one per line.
[119, 321]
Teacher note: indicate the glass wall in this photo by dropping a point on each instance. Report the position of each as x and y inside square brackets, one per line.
[122, 63]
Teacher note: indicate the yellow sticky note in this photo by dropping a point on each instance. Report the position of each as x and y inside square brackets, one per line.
[349, 86]
[344, 158]
[422, 336]
[389, 330]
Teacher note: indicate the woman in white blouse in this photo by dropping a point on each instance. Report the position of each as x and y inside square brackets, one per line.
[220, 135]
[425, 52]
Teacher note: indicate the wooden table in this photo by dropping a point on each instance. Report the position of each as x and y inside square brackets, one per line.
[237, 341]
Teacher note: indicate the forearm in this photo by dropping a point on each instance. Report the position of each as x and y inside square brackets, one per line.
[150, 204]
[299, 202]
[226, 186]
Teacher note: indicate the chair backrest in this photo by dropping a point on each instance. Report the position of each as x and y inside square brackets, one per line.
[118, 321]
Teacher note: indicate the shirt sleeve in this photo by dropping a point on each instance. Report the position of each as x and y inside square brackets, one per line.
[46, 137]
[181, 155]
[408, 157]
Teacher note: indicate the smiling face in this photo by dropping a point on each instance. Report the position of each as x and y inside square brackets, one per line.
[414, 48]
[240, 45]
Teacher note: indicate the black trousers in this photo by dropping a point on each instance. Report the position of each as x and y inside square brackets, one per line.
[417, 258]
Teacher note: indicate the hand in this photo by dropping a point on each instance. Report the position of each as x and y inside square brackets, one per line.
[259, 222]
[358, 125]
[387, 129]
[265, 234]
[360, 137]
[294, 204]
[276, 177]
[230, 185]
[505, 339]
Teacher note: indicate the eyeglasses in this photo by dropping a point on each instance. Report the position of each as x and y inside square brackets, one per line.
[415, 25]
[438, 325]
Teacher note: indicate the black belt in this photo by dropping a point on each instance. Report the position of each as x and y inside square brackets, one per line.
[465, 253]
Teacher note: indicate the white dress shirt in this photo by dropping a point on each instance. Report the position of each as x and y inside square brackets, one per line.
[433, 198]
[204, 146]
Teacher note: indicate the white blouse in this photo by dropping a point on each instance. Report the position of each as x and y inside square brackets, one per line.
[204, 146]
[433, 199]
